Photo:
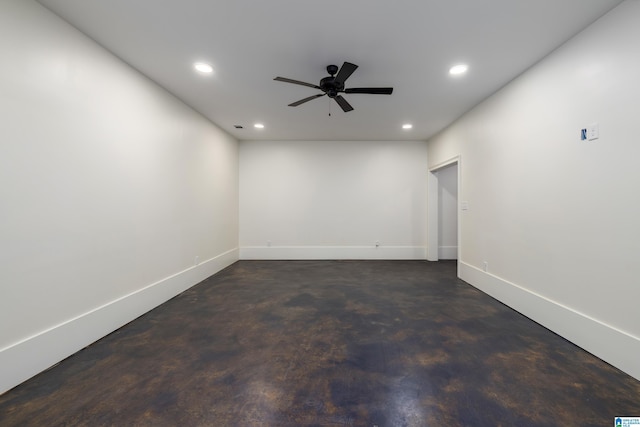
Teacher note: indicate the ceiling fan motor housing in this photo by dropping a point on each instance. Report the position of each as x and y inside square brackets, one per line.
[329, 85]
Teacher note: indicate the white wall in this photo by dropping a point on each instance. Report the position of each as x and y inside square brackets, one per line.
[332, 199]
[557, 219]
[109, 186]
[448, 212]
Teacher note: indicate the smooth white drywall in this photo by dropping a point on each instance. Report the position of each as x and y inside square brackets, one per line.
[332, 199]
[555, 216]
[448, 212]
[108, 184]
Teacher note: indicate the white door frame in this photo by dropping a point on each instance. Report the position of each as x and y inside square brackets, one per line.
[433, 208]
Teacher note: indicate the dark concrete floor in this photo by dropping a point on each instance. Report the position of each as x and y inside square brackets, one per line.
[328, 343]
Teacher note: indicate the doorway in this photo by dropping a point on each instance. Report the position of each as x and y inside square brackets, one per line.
[448, 212]
[443, 240]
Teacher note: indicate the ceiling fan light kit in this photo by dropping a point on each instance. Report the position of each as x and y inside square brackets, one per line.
[333, 86]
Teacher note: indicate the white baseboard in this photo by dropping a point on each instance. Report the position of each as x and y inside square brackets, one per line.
[32, 355]
[615, 347]
[332, 252]
[447, 252]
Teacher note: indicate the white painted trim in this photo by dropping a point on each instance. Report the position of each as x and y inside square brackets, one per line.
[448, 252]
[332, 252]
[24, 359]
[448, 162]
[612, 345]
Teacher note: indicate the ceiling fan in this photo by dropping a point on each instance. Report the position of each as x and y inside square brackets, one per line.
[333, 86]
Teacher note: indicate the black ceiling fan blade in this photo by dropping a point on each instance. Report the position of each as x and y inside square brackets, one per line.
[345, 71]
[346, 107]
[302, 101]
[371, 90]
[297, 82]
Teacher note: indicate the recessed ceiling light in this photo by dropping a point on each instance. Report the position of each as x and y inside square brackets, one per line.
[459, 69]
[258, 126]
[203, 67]
[407, 126]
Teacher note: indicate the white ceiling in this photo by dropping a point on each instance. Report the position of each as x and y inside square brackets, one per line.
[407, 44]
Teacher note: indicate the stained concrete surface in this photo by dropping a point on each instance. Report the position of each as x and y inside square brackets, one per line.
[328, 343]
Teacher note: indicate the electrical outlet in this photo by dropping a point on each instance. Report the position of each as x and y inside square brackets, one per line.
[377, 243]
[268, 243]
[196, 261]
[485, 266]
